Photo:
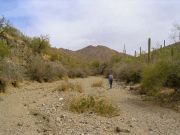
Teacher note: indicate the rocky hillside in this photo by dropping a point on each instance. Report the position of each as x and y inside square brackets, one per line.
[99, 52]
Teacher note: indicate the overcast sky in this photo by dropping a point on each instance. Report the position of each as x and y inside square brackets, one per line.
[74, 24]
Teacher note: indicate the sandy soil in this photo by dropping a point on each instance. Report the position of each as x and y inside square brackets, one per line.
[36, 109]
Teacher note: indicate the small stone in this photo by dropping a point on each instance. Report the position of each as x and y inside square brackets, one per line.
[62, 116]
[58, 119]
[34, 101]
[20, 124]
[60, 99]
[118, 130]
[38, 130]
[133, 119]
[150, 129]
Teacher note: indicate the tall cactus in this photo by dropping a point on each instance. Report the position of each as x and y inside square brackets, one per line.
[135, 54]
[124, 50]
[172, 53]
[164, 43]
[161, 47]
[140, 51]
[149, 50]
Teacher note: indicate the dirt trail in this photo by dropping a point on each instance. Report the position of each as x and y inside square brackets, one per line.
[36, 109]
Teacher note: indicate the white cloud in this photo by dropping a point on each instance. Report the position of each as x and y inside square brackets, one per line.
[74, 24]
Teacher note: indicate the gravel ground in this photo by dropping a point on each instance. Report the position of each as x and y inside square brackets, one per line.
[36, 109]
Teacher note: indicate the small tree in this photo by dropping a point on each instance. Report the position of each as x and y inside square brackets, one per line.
[4, 50]
[175, 35]
[3, 25]
[40, 44]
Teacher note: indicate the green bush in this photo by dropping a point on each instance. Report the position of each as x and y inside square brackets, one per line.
[154, 77]
[77, 72]
[173, 78]
[130, 72]
[4, 50]
[40, 44]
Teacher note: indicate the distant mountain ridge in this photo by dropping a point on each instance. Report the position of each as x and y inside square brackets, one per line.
[92, 52]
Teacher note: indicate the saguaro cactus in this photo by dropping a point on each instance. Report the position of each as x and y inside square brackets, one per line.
[140, 51]
[149, 50]
[164, 43]
[124, 50]
[172, 53]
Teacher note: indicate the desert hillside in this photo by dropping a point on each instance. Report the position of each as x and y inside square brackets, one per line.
[98, 52]
[46, 90]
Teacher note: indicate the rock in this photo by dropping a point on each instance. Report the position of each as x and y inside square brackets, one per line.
[62, 116]
[118, 130]
[133, 119]
[34, 101]
[38, 130]
[60, 99]
[20, 124]
[58, 119]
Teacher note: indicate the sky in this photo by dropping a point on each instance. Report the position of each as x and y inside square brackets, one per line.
[74, 24]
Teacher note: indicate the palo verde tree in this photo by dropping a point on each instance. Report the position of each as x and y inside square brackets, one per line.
[175, 34]
[40, 44]
[3, 26]
[4, 50]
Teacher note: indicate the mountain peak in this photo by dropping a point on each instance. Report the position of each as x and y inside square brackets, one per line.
[99, 52]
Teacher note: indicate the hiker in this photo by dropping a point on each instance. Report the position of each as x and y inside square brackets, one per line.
[110, 78]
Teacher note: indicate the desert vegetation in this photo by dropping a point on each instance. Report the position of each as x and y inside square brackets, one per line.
[33, 58]
[97, 83]
[99, 105]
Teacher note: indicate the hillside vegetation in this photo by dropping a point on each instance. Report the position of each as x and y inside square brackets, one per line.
[33, 58]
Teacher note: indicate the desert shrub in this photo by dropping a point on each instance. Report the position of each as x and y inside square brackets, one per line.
[97, 83]
[77, 72]
[129, 72]
[98, 105]
[40, 44]
[41, 70]
[154, 76]
[173, 78]
[11, 73]
[66, 85]
[94, 66]
[168, 98]
[4, 50]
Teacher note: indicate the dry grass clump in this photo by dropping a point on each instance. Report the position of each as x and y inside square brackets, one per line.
[97, 83]
[99, 105]
[66, 85]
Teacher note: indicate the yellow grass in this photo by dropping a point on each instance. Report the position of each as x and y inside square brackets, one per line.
[99, 105]
[97, 83]
[66, 85]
